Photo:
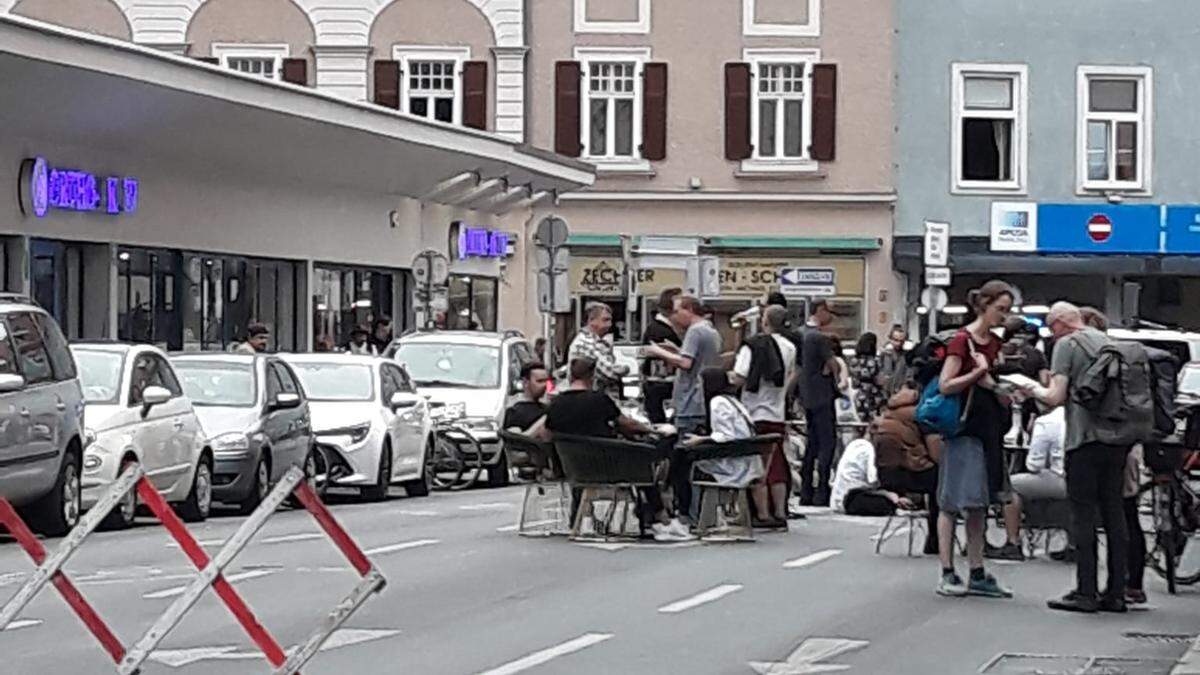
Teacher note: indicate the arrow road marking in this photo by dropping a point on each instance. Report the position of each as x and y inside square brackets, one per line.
[700, 598]
[807, 657]
[392, 548]
[22, 623]
[178, 590]
[812, 559]
[177, 658]
[538, 658]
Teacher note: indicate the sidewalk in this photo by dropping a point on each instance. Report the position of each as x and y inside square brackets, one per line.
[1189, 663]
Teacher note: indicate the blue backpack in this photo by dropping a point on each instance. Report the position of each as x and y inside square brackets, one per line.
[939, 413]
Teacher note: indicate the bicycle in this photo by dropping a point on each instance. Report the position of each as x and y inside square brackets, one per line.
[457, 457]
[1174, 501]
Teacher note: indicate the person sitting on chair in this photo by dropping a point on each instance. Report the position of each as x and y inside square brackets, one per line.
[1045, 481]
[856, 490]
[728, 421]
[527, 414]
[906, 457]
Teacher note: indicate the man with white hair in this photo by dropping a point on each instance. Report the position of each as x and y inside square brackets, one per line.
[590, 343]
[1094, 470]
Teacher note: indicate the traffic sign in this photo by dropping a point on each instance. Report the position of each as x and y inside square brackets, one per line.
[938, 276]
[935, 298]
[431, 268]
[808, 281]
[1099, 228]
[552, 232]
[937, 244]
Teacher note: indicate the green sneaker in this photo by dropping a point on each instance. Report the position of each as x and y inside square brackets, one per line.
[988, 587]
[951, 586]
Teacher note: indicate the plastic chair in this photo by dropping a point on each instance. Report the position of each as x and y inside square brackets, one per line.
[607, 469]
[546, 504]
[1042, 518]
[902, 521]
[711, 492]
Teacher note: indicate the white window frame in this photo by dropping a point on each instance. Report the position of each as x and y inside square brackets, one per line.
[639, 27]
[750, 27]
[1144, 117]
[1019, 74]
[223, 51]
[803, 163]
[406, 54]
[638, 56]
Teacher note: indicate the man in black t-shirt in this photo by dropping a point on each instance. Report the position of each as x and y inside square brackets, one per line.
[527, 412]
[657, 376]
[581, 411]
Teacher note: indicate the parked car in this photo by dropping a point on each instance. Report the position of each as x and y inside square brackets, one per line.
[41, 419]
[475, 371]
[256, 416]
[136, 412]
[369, 422]
[1185, 346]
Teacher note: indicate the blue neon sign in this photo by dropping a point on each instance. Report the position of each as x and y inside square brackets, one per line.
[478, 242]
[44, 188]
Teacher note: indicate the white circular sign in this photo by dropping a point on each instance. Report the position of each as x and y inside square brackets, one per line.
[935, 298]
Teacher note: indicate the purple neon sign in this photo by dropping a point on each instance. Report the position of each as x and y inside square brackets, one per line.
[73, 190]
[478, 242]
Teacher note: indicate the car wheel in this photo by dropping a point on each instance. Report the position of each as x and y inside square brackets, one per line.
[55, 514]
[379, 491]
[124, 513]
[421, 486]
[498, 473]
[261, 487]
[195, 508]
[314, 468]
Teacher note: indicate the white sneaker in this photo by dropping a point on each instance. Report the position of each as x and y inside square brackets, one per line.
[662, 532]
[679, 529]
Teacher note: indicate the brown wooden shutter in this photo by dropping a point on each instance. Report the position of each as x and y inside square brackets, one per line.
[208, 59]
[737, 111]
[387, 84]
[824, 112]
[654, 111]
[296, 71]
[475, 100]
[567, 77]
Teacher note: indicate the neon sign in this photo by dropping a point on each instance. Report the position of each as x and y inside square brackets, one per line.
[478, 242]
[44, 188]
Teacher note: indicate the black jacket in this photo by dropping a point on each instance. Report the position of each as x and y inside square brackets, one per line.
[766, 362]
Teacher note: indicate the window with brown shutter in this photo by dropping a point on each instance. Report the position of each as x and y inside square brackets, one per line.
[737, 111]
[296, 71]
[824, 112]
[387, 84]
[475, 100]
[654, 111]
[567, 76]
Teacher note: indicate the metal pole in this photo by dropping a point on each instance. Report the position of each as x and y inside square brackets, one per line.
[627, 261]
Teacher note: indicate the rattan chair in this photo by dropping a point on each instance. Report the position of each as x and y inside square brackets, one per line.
[547, 502]
[741, 527]
[607, 469]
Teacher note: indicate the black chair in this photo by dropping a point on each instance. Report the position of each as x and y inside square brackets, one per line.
[607, 469]
[741, 527]
[547, 502]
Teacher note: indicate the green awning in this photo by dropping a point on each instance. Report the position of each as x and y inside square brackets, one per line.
[809, 243]
[610, 240]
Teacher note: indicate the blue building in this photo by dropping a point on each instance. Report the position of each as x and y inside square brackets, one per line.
[1060, 142]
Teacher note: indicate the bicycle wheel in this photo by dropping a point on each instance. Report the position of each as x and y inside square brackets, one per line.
[470, 454]
[446, 460]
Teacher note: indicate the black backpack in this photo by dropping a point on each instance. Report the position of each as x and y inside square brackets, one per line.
[1164, 373]
[1118, 391]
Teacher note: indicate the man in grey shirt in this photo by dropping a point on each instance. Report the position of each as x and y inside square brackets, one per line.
[1095, 471]
[701, 349]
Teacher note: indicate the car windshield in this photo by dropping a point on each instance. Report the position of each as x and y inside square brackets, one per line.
[1190, 382]
[442, 364]
[99, 374]
[336, 381]
[218, 383]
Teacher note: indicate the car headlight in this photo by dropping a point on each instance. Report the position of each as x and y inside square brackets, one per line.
[91, 461]
[231, 442]
[356, 432]
[481, 424]
[89, 437]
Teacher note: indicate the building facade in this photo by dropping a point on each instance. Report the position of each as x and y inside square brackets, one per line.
[1060, 155]
[744, 147]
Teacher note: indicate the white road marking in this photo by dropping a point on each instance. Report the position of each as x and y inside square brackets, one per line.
[128, 580]
[808, 656]
[812, 559]
[392, 548]
[202, 542]
[538, 658]
[302, 536]
[233, 578]
[708, 596]
[405, 512]
[22, 623]
[535, 523]
[11, 578]
[604, 546]
[177, 658]
[868, 521]
[488, 506]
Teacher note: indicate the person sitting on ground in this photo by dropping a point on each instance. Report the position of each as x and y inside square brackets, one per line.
[856, 489]
[728, 421]
[1045, 481]
[581, 410]
[906, 457]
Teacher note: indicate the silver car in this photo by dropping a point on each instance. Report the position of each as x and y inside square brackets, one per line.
[41, 419]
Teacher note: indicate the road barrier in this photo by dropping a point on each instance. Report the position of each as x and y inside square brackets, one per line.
[129, 661]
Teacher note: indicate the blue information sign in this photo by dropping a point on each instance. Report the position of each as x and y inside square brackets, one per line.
[1183, 230]
[1099, 228]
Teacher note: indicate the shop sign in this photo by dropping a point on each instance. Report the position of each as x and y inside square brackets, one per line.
[1100, 228]
[1014, 227]
[479, 242]
[596, 276]
[1183, 229]
[808, 281]
[652, 281]
[749, 277]
[43, 188]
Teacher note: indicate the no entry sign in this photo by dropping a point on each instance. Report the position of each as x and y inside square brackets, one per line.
[1099, 228]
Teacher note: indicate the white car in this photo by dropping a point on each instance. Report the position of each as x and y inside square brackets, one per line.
[1185, 346]
[135, 411]
[369, 420]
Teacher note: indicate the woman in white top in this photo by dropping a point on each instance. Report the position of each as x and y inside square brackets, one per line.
[728, 421]
[1045, 481]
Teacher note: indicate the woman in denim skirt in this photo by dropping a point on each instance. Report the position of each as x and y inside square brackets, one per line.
[971, 474]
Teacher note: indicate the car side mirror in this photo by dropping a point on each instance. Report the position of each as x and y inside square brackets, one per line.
[11, 383]
[153, 396]
[401, 400]
[285, 401]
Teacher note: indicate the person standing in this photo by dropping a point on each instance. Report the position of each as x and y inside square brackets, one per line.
[701, 349]
[657, 376]
[1095, 471]
[590, 344]
[765, 370]
[360, 342]
[818, 371]
[381, 334]
[972, 469]
[893, 362]
[258, 339]
[866, 373]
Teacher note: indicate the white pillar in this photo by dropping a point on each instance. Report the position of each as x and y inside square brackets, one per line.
[510, 92]
[343, 70]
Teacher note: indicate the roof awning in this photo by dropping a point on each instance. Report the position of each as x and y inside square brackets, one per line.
[847, 244]
[97, 92]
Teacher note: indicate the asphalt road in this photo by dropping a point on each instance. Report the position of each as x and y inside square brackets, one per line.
[466, 595]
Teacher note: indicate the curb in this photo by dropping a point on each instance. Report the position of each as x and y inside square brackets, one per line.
[1189, 663]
